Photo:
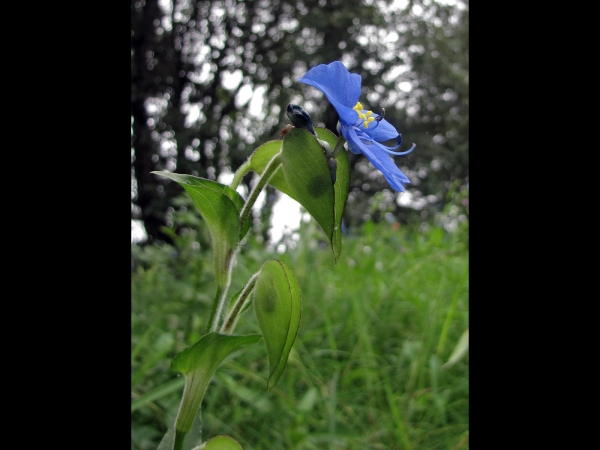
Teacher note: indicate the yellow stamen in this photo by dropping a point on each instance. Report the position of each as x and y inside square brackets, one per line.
[367, 117]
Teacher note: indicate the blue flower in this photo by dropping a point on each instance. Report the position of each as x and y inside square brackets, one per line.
[363, 130]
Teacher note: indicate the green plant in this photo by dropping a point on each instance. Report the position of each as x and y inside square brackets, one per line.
[303, 165]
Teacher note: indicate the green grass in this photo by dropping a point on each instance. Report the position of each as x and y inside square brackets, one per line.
[367, 368]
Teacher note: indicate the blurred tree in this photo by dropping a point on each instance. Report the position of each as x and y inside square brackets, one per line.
[210, 81]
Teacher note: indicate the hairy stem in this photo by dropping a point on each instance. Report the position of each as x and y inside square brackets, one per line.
[239, 174]
[234, 313]
[223, 284]
[262, 182]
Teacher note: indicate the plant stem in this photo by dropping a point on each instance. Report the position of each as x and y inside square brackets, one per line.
[193, 393]
[262, 182]
[234, 313]
[179, 437]
[239, 174]
[218, 303]
[223, 285]
[338, 146]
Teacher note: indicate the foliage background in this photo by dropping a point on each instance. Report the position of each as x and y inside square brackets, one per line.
[369, 368]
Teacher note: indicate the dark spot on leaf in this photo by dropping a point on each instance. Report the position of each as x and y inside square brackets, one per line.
[317, 187]
[269, 303]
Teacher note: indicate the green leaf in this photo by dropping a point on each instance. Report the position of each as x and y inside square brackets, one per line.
[341, 187]
[261, 157]
[222, 442]
[220, 206]
[278, 307]
[307, 173]
[305, 177]
[217, 203]
[209, 351]
[198, 364]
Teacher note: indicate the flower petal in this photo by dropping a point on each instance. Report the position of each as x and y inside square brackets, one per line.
[379, 158]
[341, 88]
[344, 130]
[382, 132]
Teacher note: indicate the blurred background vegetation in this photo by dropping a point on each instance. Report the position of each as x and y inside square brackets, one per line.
[379, 361]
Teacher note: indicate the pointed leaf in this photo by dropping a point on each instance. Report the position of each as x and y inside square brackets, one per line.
[220, 207]
[209, 351]
[267, 151]
[261, 157]
[278, 306]
[214, 201]
[307, 174]
[341, 187]
[222, 442]
[198, 363]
